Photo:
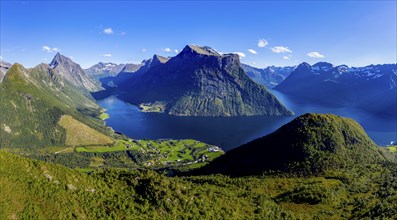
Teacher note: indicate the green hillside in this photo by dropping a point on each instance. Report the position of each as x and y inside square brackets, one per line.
[32, 103]
[32, 189]
[45, 117]
[310, 144]
[78, 133]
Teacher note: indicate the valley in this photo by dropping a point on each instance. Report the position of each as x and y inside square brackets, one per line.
[231, 132]
[131, 154]
[361, 188]
[50, 117]
[198, 110]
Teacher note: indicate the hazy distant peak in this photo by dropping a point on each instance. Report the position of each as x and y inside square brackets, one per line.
[5, 64]
[323, 64]
[303, 66]
[4, 67]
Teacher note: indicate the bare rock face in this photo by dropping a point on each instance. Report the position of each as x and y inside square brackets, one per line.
[200, 82]
[73, 73]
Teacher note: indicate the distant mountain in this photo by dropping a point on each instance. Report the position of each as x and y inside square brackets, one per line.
[310, 144]
[72, 72]
[372, 88]
[32, 104]
[198, 82]
[270, 76]
[4, 66]
[102, 70]
[129, 70]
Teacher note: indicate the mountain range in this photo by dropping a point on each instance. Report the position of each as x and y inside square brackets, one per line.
[371, 88]
[270, 76]
[197, 82]
[316, 166]
[102, 70]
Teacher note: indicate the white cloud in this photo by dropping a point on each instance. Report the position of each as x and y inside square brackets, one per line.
[281, 49]
[176, 51]
[107, 55]
[123, 33]
[1, 58]
[143, 50]
[262, 43]
[286, 58]
[166, 50]
[46, 49]
[108, 31]
[315, 55]
[252, 51]
[254, 62]
[49, 49]
[240, 54]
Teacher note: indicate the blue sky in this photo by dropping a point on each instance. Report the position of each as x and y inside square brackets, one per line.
[280, 33]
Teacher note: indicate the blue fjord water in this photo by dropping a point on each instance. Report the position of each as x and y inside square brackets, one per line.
[231, 132]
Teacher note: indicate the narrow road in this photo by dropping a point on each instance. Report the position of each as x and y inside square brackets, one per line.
[63, 150]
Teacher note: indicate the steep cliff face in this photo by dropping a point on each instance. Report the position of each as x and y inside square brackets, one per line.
[200, 82]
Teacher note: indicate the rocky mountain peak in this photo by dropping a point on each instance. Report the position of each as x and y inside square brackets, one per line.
[73, 72]
[202, 50]
[159, 59]
[58, 59]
